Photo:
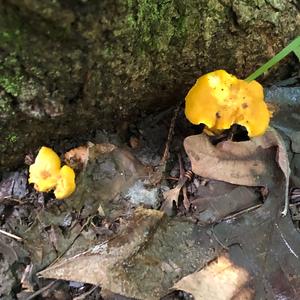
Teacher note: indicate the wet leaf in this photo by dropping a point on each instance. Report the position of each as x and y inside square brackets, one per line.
[109, 171]
[209, 210]
[287, 117]
[13, 186]
[144, 259]
[269, 243]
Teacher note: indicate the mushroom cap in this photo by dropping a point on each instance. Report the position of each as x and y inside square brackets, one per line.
[45, 170]
[219, 100]
[65, 185]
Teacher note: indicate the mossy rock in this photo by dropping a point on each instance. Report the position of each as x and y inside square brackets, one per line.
[70, 67]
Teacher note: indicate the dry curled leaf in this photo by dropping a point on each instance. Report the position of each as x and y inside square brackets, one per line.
[78, 157]
[171, 197]
[244, 163]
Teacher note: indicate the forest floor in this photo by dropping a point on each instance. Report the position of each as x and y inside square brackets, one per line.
[161, 210]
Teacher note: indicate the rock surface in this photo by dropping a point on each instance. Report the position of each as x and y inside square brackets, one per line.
[69, 67]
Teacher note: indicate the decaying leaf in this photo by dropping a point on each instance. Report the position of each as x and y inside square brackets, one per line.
[243, 163]
[269, 242]
[106, 256]
[77, 158]
[13, 187]
[171, 197]
[249, 163]
[144, 259]
[108, 172]
[212, 209]
[220, 280]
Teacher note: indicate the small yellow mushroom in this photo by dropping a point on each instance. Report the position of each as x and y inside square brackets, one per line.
[46, 174]
[219, 100]
[45, 170]
[66, 183]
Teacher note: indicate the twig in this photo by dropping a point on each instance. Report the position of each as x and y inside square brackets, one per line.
[160, 169]
[186, 202]
[12, 199]
[11, 235]
[286, 201]
[249, 209]
[217, 239]
[170, 136]
[80, 231]
[40, 291]
[83, 296]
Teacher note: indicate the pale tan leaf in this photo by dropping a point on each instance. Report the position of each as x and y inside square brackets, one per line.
[220, 280]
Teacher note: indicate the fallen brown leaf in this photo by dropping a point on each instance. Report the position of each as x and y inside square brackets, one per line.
[243, 163]
[269, 243]
[144, 259]
[101, 263]
[171, 197]
[249, 163]
[212, 209]
[77, 158]
[220, 280]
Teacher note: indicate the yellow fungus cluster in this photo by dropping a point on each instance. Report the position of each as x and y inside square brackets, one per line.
[219, 100]
[46, 174]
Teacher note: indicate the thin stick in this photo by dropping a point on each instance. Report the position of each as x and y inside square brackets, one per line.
[11, 235]
[249, 209]
[156, 177]
[170, 136]
[72, 243]
[83, 296]
[40, 291]
[217, 239]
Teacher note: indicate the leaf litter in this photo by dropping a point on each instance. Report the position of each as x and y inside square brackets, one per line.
[228, 215]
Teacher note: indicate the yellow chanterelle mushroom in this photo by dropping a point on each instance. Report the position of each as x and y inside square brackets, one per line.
[65, 183]
[47, 175]
[219, 100]
[45, 170]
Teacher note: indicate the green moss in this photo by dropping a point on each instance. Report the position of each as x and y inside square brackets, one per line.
[13, 79]
[11, 85]
[157, 25]
[10, 34]
[153, 23]
[4, 105]
[12, 138]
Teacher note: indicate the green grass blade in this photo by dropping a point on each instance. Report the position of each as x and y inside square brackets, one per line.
[297, 52]
[294, 46]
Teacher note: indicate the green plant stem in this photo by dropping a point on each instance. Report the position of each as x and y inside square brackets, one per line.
[294, 46]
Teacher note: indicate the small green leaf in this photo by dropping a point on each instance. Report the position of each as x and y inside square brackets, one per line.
[294, 46]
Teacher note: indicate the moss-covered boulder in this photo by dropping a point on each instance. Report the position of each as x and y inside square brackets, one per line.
[68, 67]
